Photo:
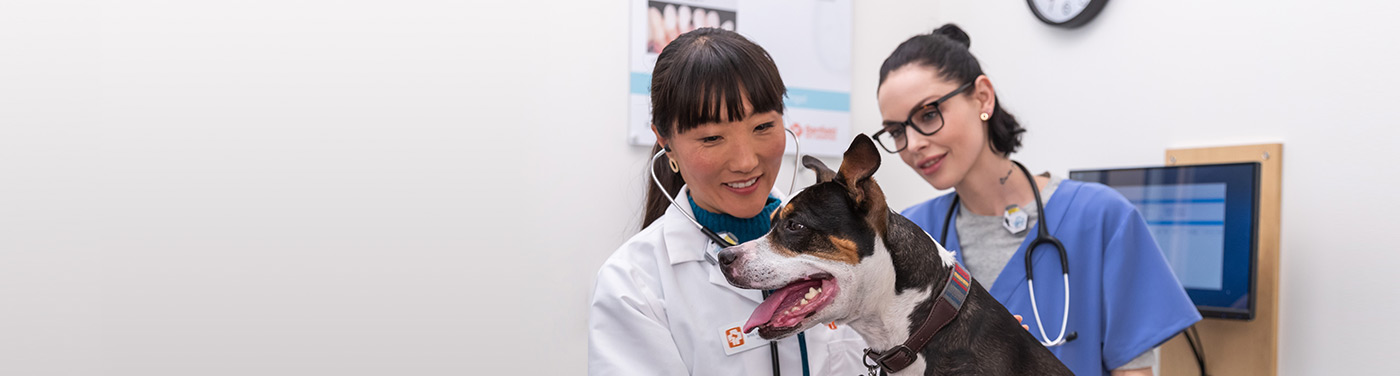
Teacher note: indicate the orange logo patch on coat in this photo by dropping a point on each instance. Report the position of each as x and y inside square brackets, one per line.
[735, 336]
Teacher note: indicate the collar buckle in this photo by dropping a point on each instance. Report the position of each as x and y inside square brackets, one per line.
[900, 355]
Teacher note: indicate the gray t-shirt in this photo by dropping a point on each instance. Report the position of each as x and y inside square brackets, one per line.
[987, 246]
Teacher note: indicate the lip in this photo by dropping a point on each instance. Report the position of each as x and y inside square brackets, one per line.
[746, 190]
[933, 167]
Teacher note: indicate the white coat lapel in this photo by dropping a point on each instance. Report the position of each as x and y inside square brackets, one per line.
[685, 243]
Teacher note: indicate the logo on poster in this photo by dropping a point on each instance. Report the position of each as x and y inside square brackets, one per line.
[813, 132]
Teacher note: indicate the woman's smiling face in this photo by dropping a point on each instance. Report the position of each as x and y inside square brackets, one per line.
[944, 158]
[730, 167]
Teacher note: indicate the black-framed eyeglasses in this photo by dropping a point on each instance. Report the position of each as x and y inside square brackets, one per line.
[926, 119]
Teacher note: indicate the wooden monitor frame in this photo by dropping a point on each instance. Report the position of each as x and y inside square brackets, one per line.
[1235, 347]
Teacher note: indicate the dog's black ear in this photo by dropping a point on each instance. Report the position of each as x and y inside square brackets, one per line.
[858, 165]
[824, 174]
[860, 161]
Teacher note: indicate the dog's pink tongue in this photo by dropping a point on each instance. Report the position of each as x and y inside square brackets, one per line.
[765, 310]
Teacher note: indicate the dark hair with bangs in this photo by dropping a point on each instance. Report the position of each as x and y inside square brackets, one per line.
[702, 77]
[946, 51]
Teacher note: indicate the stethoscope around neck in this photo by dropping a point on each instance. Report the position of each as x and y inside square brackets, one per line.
[1042, 237]
[724, 239]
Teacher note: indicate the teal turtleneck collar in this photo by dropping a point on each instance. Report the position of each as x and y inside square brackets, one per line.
[744, 229]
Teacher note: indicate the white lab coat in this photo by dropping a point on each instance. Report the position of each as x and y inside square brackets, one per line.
[659, 307]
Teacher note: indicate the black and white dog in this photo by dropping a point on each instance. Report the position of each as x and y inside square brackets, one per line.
[837, 253]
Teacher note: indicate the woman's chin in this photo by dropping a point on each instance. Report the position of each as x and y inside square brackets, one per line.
[936, 182]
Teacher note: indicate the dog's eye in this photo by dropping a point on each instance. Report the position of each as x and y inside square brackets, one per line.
[794, 226]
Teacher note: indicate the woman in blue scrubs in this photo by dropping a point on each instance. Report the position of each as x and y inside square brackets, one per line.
[942, 116]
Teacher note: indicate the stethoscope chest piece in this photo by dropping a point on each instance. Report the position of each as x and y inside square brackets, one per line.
[712, 254]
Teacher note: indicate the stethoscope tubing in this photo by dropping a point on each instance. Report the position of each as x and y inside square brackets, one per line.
[1042, 237]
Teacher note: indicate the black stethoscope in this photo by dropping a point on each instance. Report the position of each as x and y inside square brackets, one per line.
[725, 239]
[1042, 237]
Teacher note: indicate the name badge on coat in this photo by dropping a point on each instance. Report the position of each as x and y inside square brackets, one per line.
[735, 341]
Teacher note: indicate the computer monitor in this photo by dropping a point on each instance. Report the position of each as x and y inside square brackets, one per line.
[1205, 219]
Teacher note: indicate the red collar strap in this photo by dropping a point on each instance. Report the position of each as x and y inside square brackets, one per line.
[946, 309]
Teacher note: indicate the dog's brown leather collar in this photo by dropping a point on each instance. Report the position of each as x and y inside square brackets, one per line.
[950, 302]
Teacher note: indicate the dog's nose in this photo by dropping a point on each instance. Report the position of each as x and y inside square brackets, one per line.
[727, 257]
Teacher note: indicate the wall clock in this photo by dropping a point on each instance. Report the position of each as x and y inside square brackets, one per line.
[1066, 13]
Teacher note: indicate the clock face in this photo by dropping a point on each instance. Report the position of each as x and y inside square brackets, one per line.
[1059, 11]
[1069, 13]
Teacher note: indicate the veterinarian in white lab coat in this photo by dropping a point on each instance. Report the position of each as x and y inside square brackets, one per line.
[659, 307]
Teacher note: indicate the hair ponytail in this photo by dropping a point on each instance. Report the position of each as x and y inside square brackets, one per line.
[954, 33]
[1003, 131]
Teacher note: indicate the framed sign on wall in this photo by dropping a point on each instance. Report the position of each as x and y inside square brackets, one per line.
[810, 40]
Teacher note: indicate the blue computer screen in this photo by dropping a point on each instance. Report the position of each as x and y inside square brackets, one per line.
[1203, 218]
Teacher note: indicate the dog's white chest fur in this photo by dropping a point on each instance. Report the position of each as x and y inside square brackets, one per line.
[885, 322]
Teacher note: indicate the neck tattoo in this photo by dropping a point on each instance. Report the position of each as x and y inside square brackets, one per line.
[1008, 176]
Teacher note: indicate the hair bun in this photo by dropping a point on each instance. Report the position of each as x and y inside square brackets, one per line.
[955, 33]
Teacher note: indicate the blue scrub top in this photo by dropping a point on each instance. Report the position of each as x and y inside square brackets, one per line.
[1126, 299]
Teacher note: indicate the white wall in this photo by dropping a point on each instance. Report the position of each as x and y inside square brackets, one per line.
[1151, 75]
[313, 187]
[427, 187]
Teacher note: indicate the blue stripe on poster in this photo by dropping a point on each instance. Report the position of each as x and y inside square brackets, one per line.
[641, 83]
[818, 99]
